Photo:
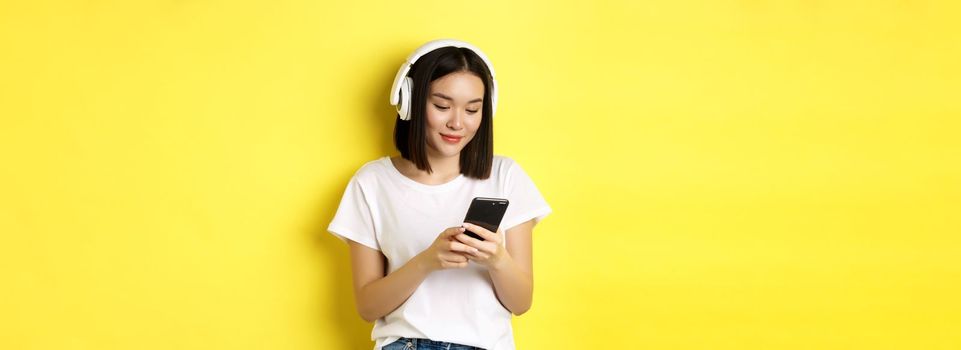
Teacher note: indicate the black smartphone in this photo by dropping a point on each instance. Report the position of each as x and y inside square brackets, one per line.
[487, 213]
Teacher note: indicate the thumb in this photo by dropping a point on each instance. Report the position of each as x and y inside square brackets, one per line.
[453, 231]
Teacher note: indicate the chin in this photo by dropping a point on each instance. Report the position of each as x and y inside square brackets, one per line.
[447, 150]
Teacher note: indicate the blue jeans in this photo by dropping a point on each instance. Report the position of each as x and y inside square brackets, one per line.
[425, 344]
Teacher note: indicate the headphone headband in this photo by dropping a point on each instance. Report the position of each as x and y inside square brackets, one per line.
[400, 90]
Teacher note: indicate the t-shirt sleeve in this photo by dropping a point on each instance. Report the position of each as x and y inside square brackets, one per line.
[526, 202]
[354, 219]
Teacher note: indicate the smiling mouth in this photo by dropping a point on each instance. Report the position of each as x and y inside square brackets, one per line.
[452, 139]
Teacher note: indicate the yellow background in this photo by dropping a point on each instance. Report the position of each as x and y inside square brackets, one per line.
[724, 175]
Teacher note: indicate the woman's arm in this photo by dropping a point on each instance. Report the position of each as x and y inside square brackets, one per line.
[377, 295]
[513, 275]
[509, 264]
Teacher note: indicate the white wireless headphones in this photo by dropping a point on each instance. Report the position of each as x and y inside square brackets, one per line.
[400, 91]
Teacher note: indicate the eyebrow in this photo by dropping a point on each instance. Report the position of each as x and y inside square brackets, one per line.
[451, 99]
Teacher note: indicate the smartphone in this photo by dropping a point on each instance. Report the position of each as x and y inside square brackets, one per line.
[487, 213]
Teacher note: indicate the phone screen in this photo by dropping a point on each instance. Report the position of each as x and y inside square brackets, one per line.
[487, 213]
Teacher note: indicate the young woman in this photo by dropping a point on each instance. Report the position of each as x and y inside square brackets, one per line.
[426, 283]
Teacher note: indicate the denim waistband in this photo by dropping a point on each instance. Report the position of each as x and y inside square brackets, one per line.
[422, 343]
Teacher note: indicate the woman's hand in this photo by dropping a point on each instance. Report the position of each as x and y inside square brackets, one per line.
[490, 252]
[445, 252]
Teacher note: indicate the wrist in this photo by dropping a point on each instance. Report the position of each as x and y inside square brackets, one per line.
[421, 264]
[502, 262]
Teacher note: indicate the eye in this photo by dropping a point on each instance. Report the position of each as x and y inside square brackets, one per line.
[443, 108]
[472, 112]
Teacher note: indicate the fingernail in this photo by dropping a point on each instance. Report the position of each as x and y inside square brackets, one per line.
[474, 250]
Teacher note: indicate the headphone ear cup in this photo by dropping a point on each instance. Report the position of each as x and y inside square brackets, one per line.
[403, 107]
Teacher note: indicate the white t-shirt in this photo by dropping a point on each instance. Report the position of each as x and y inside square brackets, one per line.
[387, 211]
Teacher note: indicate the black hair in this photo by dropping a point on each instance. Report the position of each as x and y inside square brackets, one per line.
[410, 135]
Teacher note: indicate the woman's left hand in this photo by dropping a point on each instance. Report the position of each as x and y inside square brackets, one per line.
[491, 251]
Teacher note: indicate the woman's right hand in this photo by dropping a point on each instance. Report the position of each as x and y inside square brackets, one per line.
[446, 252]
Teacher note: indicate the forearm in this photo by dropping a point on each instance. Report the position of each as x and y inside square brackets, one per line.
[380, 297]
[514, 286]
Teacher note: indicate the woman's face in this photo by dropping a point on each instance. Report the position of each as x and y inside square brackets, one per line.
[454, 112]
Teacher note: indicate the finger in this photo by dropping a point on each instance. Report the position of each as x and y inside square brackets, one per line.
[452, 265]
[453, 231]
[486, 234]
[471, 241]
[461, 247]
[485, 247]
[479, 256]
[453, 257]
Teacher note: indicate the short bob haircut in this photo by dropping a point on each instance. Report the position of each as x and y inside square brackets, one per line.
[410, 135]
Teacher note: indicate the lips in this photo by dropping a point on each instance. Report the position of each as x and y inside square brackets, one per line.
[451, 138]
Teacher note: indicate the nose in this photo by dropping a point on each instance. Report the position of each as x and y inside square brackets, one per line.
[456, 121]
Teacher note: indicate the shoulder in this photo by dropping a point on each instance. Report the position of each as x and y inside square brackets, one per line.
[371, 170]
[502, 159]
[502, 166]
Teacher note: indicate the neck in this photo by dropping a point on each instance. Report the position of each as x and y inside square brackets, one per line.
[444, 167]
